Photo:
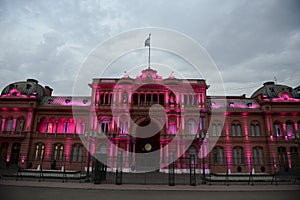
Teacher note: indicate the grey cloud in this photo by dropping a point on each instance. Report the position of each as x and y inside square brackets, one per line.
[49, 40]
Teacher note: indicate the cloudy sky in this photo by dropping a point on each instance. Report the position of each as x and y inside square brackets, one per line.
[250, 41]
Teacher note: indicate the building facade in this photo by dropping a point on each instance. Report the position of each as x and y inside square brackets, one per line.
[257, 134]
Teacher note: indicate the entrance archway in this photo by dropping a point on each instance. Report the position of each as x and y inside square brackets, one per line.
[147, 150]
[15, 153]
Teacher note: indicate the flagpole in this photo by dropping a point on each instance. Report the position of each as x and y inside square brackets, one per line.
[149, 51]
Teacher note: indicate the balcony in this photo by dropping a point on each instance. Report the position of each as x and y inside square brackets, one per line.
[58, 135]
[13, 134]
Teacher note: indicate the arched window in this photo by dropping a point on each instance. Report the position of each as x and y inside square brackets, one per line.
[135, 99]
[51, 125]
[77, 151]
[216, 129]
[294, 156]
[43, 125]
[155, 98]
[185, 99]
[148, 99]
[106, 100]
[255, 129]
[39, 151]
[9, 124]
[218, 155]
[172, 128]
[142, 99]
[71, 126]
[289, 128]
[62, 125]
[258, 158]
[123, 128]
[192, 129]
[236, 129]
[238, 155]
[161, 99]
[278, 129]
[282, 157]
[58, 151]
[104, 126]
[191, 99]
[80, 126]
[20, 125]
[102, 98]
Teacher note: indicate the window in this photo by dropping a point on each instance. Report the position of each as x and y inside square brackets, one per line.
[289, 129]
[9, 124]
[148, 99]
[254, 129]
[282, 156]
[80, 126]
[102, 98]
[236, 129]
[216, 130]
[39, 151]
[50, 128]
[294, 156]
[104, 126]
[238, 155]
[218, 155]
[58, 152]
[70, 126]
[161, 99]
[277, 129]
[258, 156]
[155, 98]
[20, 125]
[62, 125]
[192, 127]
[172, 128]
[77, 153]
[135, 99]
[43, 125]
[123, 128]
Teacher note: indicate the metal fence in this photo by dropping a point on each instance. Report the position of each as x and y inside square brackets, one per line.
[183, 171]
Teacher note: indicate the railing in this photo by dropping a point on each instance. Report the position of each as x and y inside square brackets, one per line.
[13, 133]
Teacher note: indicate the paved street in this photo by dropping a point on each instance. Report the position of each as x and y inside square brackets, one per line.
[44, 193]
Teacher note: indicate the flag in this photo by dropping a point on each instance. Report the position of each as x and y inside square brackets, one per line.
[147, 41]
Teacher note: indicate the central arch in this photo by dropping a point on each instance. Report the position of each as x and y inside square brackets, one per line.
[147, 149]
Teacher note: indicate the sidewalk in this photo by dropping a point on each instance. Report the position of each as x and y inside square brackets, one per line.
[150, 187]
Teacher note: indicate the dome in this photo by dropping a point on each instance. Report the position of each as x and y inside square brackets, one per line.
[30, 87]
[272, 90]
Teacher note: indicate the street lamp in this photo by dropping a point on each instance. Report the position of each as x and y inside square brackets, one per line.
[89, 137]
[202, 136]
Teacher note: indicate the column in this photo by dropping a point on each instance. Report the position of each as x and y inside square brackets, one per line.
[3, 125]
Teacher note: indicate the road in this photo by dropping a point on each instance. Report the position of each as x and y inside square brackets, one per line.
[44, 193]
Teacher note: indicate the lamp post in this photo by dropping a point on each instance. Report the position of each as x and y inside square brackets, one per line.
[203, 135]
[89, 137]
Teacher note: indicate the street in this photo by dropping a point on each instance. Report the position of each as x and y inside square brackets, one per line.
[44, 193]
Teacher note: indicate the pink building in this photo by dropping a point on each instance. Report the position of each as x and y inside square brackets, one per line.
[241, 134]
